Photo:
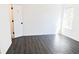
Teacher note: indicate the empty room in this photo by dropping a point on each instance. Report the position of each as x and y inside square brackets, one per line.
[39, 29]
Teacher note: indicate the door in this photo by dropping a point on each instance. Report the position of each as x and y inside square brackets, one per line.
[18, 23]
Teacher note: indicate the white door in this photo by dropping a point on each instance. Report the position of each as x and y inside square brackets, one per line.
[18, 23]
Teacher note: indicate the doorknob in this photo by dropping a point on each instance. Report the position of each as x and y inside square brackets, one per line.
[21, 22]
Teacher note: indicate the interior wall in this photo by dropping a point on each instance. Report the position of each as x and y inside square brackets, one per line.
[74, 32]
[40, 19]
[5, 37]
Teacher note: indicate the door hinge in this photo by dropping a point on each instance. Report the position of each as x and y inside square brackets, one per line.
[13, 32]
[12, 20]
[12, 8]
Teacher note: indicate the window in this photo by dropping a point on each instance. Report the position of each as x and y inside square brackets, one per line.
[68, 18]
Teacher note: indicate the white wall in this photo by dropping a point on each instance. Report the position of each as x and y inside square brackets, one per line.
[40, 19]
[74, 32]
[5, 38]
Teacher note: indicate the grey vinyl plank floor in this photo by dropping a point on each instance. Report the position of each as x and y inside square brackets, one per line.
[44, 44]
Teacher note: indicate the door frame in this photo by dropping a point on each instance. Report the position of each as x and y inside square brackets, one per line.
[12, 25]
[11, 21]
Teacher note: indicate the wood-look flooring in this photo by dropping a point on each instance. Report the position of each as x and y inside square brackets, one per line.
[44, 44]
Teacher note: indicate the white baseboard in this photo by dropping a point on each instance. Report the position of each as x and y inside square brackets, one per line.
[37, 34]
[74, 38]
